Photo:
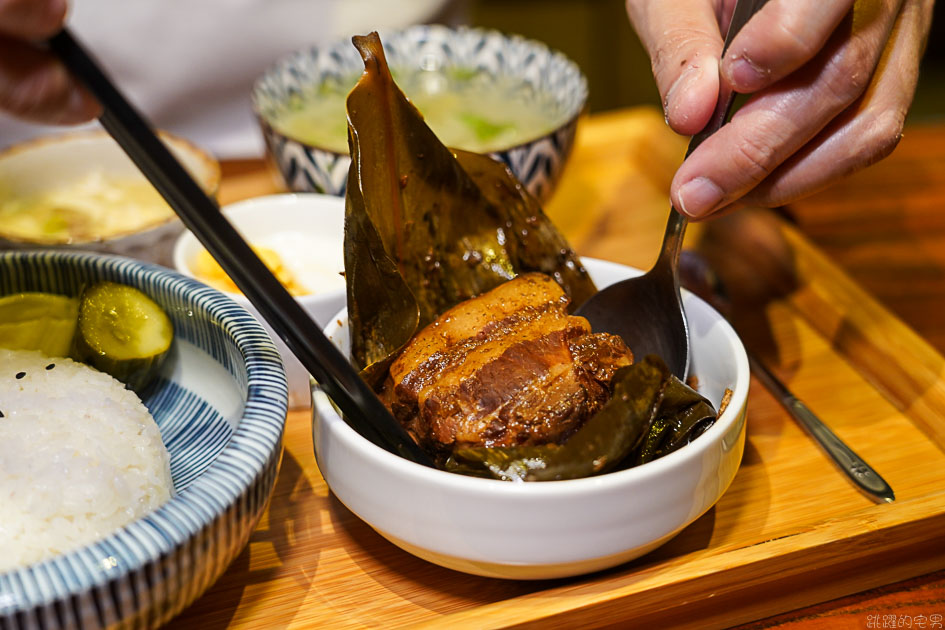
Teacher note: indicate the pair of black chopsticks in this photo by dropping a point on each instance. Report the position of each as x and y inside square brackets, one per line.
[359, 405]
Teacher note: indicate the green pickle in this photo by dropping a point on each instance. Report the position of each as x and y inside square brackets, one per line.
[38, 321]
[123, 332]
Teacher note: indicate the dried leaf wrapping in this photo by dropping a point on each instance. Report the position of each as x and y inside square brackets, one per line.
[683, 416]
[426, 228]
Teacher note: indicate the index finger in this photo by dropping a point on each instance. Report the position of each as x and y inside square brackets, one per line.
[777, 122]
[779, 39]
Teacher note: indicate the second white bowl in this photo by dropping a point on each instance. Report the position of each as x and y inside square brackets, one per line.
[307, 232]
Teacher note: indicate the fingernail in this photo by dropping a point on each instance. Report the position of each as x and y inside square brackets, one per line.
[746, 76]
[699, 196]
[679, 86]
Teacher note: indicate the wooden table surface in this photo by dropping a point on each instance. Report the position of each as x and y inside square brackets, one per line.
[883, 229]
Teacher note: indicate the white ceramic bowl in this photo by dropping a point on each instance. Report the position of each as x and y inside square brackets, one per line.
[54, 162]
[220, 403]
[550, 529]
[306, 230]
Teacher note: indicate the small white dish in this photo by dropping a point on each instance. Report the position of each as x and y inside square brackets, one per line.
[306, 230]
[542, 530]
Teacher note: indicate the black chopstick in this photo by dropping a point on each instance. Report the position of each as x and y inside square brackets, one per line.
[361, 408]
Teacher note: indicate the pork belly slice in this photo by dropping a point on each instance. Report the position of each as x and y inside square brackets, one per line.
[507, 368]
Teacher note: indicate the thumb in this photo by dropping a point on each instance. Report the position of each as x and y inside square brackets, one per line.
[684, 42]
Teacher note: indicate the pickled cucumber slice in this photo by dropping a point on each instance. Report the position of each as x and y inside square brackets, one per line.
[38, 321]
[123, 332]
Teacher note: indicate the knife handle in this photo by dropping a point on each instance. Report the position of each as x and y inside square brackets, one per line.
[861, 473]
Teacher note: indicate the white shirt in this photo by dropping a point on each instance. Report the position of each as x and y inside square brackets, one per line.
[189, 65]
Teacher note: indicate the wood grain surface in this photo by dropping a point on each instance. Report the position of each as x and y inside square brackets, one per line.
[885, 228]
[791, 543]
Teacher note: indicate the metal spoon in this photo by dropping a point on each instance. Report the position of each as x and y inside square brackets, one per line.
[647, 311]
[701, 279]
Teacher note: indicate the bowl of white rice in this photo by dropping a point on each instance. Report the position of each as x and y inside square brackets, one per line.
[120, 509]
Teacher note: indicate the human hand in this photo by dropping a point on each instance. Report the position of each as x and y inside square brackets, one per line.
[34, 85]
[831, 83]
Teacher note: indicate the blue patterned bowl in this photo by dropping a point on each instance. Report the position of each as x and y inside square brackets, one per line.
[293, 80]
[220, 403]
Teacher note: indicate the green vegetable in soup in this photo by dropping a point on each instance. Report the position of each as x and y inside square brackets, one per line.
[484, 129]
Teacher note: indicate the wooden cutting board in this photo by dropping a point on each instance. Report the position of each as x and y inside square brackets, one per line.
[789, 532]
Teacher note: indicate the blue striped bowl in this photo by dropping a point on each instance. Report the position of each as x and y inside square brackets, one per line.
[220, 403]
[536, 163]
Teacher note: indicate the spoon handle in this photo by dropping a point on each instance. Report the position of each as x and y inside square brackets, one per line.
[859, 472]
[744, 10]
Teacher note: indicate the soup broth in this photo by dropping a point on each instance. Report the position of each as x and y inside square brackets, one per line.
[478, 116]
[94, 207]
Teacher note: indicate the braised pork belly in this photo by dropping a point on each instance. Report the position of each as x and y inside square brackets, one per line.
[508, 368]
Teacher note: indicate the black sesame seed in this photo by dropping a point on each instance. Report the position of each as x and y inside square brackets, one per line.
[50, 366]
[20, 374]
[1, 414]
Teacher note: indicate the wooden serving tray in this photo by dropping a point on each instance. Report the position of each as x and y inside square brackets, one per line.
[790, 531]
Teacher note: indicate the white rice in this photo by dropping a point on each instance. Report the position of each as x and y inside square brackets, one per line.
[80, 456]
